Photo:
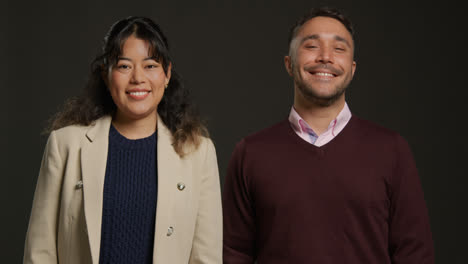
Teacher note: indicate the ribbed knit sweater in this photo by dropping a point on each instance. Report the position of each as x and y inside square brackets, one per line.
[355, 200]
[129, 202]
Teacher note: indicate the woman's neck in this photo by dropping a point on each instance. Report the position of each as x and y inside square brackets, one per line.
[135, 128]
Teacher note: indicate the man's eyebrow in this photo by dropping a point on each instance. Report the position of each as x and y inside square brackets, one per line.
[304, 39]
[341, 39]
[315, 37]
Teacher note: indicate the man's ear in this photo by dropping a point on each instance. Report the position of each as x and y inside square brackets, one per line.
[288, 64]
[353, 69]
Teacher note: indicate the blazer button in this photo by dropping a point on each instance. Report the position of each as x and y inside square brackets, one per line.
[181, 186]
[170, 231]
[79, 185]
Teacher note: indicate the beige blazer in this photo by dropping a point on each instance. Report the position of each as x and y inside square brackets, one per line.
[65, 223]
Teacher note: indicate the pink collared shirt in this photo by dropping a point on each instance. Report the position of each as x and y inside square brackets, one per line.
[303, 130]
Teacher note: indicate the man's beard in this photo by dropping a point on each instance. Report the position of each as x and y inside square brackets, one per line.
[321, 100]
[311, 94]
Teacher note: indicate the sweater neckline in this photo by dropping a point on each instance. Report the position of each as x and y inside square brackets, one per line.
[323, 148]
[122, 141]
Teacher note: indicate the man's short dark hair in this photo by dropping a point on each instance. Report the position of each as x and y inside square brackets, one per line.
[321, 12]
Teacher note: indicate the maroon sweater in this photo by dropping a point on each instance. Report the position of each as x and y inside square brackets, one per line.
[355, 200]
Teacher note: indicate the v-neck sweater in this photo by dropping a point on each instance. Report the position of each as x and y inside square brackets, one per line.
[357, 199]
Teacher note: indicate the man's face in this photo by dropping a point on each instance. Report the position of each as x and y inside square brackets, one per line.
[321, 60]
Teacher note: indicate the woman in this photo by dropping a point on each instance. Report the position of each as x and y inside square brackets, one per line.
[128, 174]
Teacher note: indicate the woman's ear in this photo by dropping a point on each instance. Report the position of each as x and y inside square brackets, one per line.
[168, 74]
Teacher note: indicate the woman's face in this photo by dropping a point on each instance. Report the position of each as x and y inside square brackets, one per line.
[137, 81]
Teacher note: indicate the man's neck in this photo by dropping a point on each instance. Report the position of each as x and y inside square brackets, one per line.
[318, 117]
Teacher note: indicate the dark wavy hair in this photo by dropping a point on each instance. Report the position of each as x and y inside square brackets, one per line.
[175, 108]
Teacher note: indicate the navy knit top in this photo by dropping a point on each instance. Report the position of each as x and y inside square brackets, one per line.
[129, 203]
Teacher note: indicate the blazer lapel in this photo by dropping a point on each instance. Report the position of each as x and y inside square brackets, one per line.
[93, 167]
[169, 165]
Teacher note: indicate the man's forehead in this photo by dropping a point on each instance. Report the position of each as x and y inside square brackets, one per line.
[329, 36]
[324, 27]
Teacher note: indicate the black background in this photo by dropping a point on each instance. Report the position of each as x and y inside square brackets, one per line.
[410, 77]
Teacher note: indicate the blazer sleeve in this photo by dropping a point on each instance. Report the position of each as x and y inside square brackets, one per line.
[410, 239]
[41, 237]
[208, 238]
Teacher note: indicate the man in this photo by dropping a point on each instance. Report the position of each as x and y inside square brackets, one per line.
[324, 186]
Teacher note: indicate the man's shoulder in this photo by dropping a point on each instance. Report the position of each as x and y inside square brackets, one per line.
[264, 140]
[271, 133]
[372, 131]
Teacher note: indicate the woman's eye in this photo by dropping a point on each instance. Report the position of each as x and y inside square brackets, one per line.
[123, 67]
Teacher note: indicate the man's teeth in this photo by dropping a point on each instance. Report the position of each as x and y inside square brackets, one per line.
[324, 74]
[138, 93]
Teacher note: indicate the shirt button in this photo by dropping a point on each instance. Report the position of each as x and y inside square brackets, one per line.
[170, 230]
[181, 186]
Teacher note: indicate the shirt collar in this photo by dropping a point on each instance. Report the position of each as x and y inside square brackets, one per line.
[336, 125]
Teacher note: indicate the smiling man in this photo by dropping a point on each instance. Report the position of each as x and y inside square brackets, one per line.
[324, 186]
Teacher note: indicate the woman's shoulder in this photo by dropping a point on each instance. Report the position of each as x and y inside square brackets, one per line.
[204, 148]
[207, 144]
[72, 130]
[76, 133]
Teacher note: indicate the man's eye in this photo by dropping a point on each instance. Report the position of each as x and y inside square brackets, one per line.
[339, 49]
[311, 47]
[123, 67]
[151, 66]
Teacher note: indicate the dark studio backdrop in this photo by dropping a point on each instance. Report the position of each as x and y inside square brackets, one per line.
[410, 77]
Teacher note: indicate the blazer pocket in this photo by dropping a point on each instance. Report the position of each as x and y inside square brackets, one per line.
[76, 225]
[76, 203]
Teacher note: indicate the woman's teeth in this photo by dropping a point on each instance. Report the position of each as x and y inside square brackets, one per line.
[138, 93]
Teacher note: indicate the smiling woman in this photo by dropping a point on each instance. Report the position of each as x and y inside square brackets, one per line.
[136, 84]
[129, 174]
[175, 108]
